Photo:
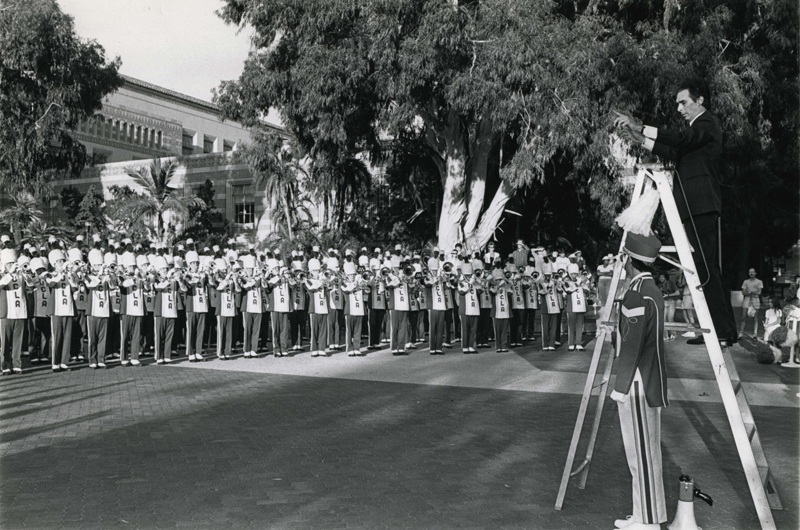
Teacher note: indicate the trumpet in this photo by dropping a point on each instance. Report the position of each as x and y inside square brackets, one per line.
[300, 276]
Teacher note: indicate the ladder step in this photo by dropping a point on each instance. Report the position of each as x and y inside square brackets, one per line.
[678, 326]
[751, 431]
[672, 249]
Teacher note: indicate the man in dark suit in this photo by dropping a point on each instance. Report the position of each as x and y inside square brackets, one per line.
[696, 152]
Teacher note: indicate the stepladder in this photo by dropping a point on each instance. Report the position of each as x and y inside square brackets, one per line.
[761, 483]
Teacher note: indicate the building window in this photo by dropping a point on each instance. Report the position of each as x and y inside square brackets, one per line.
[244, 206]
[227, 146]
[208, 144]
[188, 145]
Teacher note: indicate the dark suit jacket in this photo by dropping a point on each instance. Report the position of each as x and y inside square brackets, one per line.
[696, 152]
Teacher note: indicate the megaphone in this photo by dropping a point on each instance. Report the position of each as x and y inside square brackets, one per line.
[684, 517]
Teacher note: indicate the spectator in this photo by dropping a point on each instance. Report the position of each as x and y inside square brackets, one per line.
[772, 320]
[751, 301]
[671, 294]
[605, 272]
[688, 305]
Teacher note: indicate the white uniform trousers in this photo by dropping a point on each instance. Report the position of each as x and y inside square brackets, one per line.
[641, 435]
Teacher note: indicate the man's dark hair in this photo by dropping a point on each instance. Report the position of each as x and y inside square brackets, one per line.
[643, 267]
[696, 89]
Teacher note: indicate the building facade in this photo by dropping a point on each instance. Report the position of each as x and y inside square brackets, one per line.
[142, 121]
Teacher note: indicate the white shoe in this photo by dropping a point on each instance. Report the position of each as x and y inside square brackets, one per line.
[642, 526]
[101, 365]
[64, 367]
[92, 365]
[580, 348]
[135, 362]
[192, 358]
[624, 523]
[167, 360]
[692, 334]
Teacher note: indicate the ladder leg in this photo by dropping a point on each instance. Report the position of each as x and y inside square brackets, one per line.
[598, 415]
[576, 433]
[719, 367]
[597, 353]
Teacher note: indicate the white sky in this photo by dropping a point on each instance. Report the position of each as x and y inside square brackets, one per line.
[176, 44]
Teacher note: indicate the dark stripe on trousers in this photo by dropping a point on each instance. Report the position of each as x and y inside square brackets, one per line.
[643, 448]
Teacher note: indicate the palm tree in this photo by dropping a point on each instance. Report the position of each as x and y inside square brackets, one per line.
[38, 233]
[338, 185]
[24, 211]
[157, 198]
[277, 166]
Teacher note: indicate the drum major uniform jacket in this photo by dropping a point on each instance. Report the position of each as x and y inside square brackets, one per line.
[641, 340]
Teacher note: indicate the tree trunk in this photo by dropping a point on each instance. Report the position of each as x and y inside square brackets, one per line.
[288, 219]
[453, 206]
[491, 217]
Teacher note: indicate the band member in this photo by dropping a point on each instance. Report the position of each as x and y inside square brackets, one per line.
[399, 306]
[551, 300]
[81, 295]
[355, 292]
[196, 303]
[531, 294]
[575, 294]
[148, 328]
[165, 311]
[281, 284]
[437, 294]
[13, 310]
[299, 316]
[210, 333]
[252, 306]
[501, 309]
[42, 311]
[517, 303]
[377, 304]
[641, 386]
[132, 308]
[228, 288]
[335, 304]
[99, 285]
[318, 308]
[63, 284]
[469, 309]
[485, 328]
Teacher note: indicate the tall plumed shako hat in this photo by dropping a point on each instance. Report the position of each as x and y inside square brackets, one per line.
[643, 248]
[8, 255]
[248, 261]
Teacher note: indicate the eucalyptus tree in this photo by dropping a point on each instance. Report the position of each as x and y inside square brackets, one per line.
[532, 82]
[50, 80]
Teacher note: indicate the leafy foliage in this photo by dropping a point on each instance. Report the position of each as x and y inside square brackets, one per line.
[157, 199]
[207, 225]
[276, 164]
[23, 211]
[530, 84]
[49, 80]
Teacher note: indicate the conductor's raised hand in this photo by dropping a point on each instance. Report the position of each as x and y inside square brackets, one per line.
[627, 122]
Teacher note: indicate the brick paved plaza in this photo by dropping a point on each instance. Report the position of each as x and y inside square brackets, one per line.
[457, 441]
